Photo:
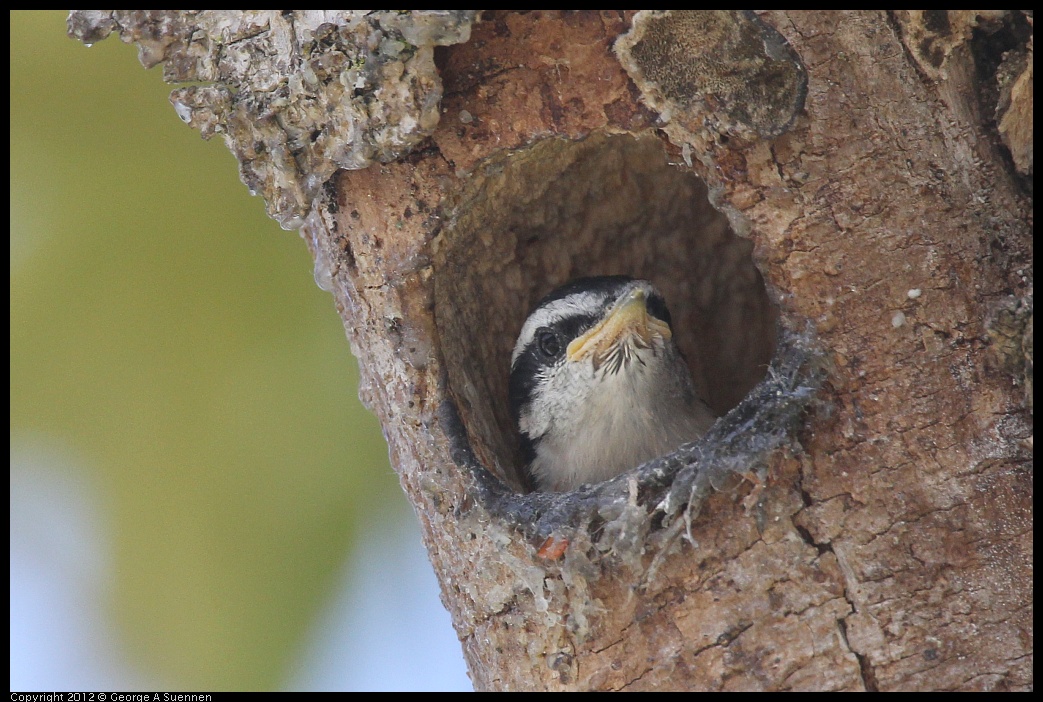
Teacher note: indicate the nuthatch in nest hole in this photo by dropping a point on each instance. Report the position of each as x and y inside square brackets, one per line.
[598, 385]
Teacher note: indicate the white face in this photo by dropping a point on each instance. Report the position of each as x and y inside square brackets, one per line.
[589, 418]
[580, 386]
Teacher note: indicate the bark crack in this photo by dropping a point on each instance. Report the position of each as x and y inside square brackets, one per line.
[865, 667]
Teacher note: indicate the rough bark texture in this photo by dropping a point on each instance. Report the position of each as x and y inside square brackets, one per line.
[864, 176]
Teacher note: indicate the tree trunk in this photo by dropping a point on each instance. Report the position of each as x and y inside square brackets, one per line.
[845, 194]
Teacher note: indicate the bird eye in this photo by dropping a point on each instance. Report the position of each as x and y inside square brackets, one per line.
[549, 343]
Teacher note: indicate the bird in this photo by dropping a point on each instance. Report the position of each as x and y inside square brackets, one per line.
[598, 385]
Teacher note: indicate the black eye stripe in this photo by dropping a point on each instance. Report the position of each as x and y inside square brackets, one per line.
[573, 326]
[656, 306]
[567, 329]
[523, 379]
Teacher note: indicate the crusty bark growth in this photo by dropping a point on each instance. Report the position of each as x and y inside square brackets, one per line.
[675, 58]
[295, 94]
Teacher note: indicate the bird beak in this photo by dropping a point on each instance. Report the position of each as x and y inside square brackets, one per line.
[629, 319]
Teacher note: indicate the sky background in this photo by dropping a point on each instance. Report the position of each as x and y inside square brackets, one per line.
[198, 499]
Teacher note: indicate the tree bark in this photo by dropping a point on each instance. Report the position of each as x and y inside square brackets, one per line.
[846, 193]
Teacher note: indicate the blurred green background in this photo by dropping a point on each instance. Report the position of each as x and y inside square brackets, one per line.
[169, 336]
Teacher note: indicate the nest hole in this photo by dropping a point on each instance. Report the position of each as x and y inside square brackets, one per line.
[532, 220]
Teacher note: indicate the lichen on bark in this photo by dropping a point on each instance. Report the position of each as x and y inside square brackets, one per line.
[295, 94]
[723, 70]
